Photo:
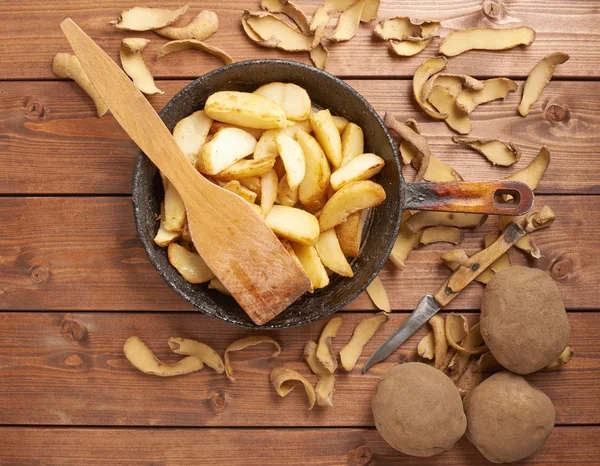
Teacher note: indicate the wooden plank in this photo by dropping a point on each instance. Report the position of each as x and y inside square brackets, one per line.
[31, 36]
[70, 370]
[83, 254]
[266, 447]
[52, 141]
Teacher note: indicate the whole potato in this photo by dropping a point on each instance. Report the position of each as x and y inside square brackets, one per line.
[418, 410]
[523, 319]
[508, 419]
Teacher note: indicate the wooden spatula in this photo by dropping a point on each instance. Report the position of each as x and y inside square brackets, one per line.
[230, 236]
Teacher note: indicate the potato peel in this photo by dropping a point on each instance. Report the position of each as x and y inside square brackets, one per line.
[142, 358]
[426, 346]
[533, 173]
[487, 363]
[245, 343]
[497, 152]
[324, 352]
[378, 295]
[325, 387]
[424, 219]
[538, 79]
[204, 25]
[408, 48]
[402, 28]
[205, 353]
[142, 18]
[494, 89]
[457, 329]
[564, 358]
[416, 140]
[187, 44]
[462, 41]
[405, 242]
[275, 32]
[460, 361]
[134, 65]
[348, 22]
[439, 335]
[369, 12]
[445, 103]
[441, 235]
[363, 332]
[282, 380]
[319, 56]
[289, 9]
[427, 69]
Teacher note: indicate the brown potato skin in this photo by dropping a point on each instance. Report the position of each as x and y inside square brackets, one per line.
[508, 419]
[418, 410]
[523, 319]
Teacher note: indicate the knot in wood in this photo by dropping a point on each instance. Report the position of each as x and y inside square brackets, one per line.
[556, 113]
[34, 109]
[217, 400]
[361, 456]
[73, 360]
[73, 330]
[493, 9]
[39, 274]
[561, 268]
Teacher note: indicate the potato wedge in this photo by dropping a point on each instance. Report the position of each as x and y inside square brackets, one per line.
[255, 132]
[226, 147]
[252, 183]
[245, 168]
[444, 102]
[245, 109]
[235, 187]
[267, 148]
[174, 213]
[351, 198]
[189, 264]
[268, 190]
[313, 188]
[292, 98]
[427, 69]
[353, 143]
[215, 284]
[285, 195]
[311, 264]
[294, 224]
[350, 233]
[495, 88]
[163, 236]
[340, 123]
[359, 168]
[331, 254]
[328, 136]
[292, 155]
[538, 79]
[190, 134]
[462, 41]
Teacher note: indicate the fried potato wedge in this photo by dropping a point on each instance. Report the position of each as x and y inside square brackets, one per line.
[245, 168]
[163, 236]
[174, 213]
[227, 146]
[215, 284]
[268, 190]
[294, 224]
[495, 88]
[353, 143]
[359, 168]
[204, 25]
[311, 265]
[376, 292]
[235, 187]
[462, 41]
[495, 151]
[406, 241]
[331, 254]
[292, 98]
[255, 132]
[190, 134]
[538, 79]
[292, 155]
[350, 233]
[134, 65]
[141, 18]
[282, 380]
[363, 332]
[245, 109]
[444, 102]
[285, 195]
[351, 198]
[426, 219]
[143, 359]
[327, 134]
[340, 123]
[313, 188]
[267, 148]
[427, 69]
[189, 264]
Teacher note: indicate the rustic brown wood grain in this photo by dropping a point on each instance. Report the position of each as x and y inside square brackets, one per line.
[23, 446]
[69, 369]
[52, 142]
[31, 36]
[73, 253]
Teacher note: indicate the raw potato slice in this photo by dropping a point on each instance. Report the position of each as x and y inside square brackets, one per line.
[174, 213]
[245, 109]
[328, 136]
[326, 384]
[135, 67]
[243, 344]
[457, 119]
[289, 9]
[195, 348]
[319, 56]
[462, 41]
[352, 198]
[143, 359]
[283, 378]
[377, 293]
[331, 254]
[268, 190]
[294, 224]
[359, 168]
[190, 134]
[255, 132]
[369, 12]
[402, 28]
[324, 352]
[532, 173]
[427, 69]
[189, 264]
[141, 18]
[313, 188]
[267, 148]
[538, 79]
[293, 160]
[441, 235]
[163, 236]
[340, 123]
[204, 25]
[235, 187]
[186, 44]
[65, 65]
[363, 333]
[426, 346]
[495, 88]
[348, 22]
[278, 33]
[447, 219]
[405, 243]
[311, 264]
[495, 151]
[408, 48]
[353, 143]
[292, 98]
[286, 196]
[226, 147]
[503, 262]
[350, 232]
[215, 284]
[245, 168]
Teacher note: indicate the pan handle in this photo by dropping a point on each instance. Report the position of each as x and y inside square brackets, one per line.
[472, 197]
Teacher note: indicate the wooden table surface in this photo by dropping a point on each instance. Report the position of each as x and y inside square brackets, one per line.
[75, 282]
